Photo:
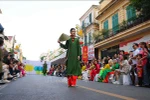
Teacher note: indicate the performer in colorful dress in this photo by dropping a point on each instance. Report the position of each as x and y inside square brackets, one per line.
[73, 68]
[110, 72]
[45, 68]
[106, 66]
[94, 71]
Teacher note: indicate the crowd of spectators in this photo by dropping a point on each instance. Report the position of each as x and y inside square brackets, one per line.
[10, 68]
[57, 70]
[131, 68]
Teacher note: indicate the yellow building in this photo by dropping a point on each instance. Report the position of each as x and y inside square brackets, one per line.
[120, 27]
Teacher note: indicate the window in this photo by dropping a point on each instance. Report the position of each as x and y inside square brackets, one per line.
[85, 40]
[82, 24]
[115, 26]
[106, 25]
[131, 12]
[90, 18]
[90, 37]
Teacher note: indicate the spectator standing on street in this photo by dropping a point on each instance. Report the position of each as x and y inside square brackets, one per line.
[134, 61]
[139, 69]
[144, 52]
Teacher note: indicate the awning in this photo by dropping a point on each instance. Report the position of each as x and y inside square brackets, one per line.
[59, 57]
[58, 61]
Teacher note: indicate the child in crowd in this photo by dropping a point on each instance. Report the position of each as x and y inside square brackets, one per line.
[21, 68]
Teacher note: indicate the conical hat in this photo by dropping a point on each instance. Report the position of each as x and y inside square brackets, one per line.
[64, 37]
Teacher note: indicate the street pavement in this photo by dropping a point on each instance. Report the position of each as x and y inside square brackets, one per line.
[38, 87]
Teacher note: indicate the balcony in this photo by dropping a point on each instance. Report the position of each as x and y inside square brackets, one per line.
[87, 44]
[121, 28]
[84, 27]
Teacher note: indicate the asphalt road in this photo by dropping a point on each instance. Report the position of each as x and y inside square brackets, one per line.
[36, 87]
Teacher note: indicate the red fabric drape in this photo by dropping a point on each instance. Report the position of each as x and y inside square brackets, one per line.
[72, 80]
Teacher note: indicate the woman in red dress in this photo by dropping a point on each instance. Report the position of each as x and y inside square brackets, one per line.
[95, 70]
[144, 59]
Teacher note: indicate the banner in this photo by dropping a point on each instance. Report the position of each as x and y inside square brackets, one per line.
[127, 46]
[85, 53]
[91, 52]
[35, 67]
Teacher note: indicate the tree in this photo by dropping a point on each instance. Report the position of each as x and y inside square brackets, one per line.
[60, 52]
[11, 50]
[96, 35]
[142, 6]
[24, 58]
[42, 58]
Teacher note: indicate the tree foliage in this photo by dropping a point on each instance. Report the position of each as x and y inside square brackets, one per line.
[42, 58]
[11, 50]
[24, 58]
[96, 35]
[142, 6]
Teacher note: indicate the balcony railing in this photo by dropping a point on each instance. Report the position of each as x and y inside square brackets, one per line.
[87, 44]
[86, 26]
[125, 25]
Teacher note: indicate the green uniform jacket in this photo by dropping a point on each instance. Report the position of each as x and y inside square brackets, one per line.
[73, 51]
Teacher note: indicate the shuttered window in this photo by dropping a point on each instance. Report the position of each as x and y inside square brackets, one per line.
[131, 12]
[106, 25]
[115, 23]
[90, 18]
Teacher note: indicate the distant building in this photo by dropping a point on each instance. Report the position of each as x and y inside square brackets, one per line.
[89, 25]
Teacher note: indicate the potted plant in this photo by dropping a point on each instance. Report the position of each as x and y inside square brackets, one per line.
[105, 33]
[123, 25]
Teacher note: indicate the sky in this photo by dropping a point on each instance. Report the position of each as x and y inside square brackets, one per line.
[38, 24]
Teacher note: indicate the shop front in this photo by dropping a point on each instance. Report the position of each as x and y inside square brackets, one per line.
[111, 51]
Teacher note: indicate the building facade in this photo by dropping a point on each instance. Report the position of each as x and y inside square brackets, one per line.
[89, 24]
[50, 55]
[120, 27]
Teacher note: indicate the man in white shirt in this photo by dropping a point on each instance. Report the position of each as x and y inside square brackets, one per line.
[134, 61]
[135, 53]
